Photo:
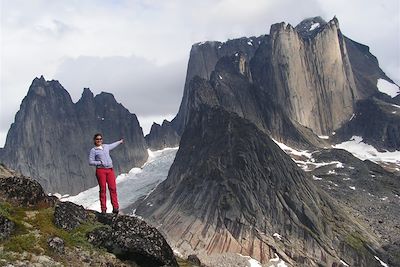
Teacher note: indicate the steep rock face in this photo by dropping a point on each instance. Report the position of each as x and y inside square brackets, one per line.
[230, 87]
[162, 136]
[378, 122]
[202, 60]
[231, 188]
[365, 68]
[309, 74]
[51, 136]
[312, 71]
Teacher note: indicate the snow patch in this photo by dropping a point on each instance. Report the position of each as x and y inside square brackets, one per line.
[384, 198]
[323, 136]
[314, 26]
[292, 151]
[278, 236]
[339, 165]
[58, 195]
[364, 151]
[352, 187]
[177, 253]
[352, 117]
[250, 43]
[220, 77]
[344, 263]
[316, 178]
[277, 262]
[388, 88]
[396, 106]
[381, 262]
[252, 262]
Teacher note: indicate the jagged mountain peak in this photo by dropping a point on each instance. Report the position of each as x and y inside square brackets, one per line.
[87, 93]
[311, 26]
[42, 87]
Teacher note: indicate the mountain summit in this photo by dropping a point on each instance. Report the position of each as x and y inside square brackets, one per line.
[51, 136]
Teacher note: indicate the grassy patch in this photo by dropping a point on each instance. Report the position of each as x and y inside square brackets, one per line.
[43, 221]
[21, 243]
[16, 215]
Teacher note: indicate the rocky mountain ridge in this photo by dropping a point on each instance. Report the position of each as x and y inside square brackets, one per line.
[51, 136]
[230, 189]
[313, 71]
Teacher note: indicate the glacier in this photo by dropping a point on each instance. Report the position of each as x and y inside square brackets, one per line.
[131, 186]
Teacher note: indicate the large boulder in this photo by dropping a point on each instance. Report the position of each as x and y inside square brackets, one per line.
[21, 190]
[130, 238]
[68, 215]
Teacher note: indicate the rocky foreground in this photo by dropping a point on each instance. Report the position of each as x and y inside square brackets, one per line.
[37, 230]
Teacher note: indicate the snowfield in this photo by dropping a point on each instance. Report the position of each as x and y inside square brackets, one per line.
[133, 185]
[388, 88]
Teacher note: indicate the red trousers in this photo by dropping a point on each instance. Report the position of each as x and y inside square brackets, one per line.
[107, 176]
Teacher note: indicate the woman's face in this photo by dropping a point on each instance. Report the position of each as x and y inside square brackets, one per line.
[98, 141]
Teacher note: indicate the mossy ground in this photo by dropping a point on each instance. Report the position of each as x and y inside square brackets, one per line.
[33, 228]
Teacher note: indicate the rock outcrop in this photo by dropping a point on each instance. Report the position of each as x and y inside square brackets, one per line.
[44, 235]
[202, 60]
[131, 238]
[230, 189]
[378, 122]
[51, 136]
[230, 87]
[162, 136]
[69, 216]
[21, 190]
[310, 75]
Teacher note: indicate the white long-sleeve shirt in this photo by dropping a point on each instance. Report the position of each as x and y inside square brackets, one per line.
[99, 156]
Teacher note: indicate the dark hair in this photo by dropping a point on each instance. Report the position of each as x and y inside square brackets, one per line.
[95, 136]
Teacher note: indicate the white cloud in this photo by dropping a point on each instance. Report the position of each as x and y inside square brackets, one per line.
[52, 38]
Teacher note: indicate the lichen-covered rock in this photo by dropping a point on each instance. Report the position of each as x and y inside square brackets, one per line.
[132, 239]
[194, 260]
[68, 215]
[56, 244]
[6, 227]
[22, 190]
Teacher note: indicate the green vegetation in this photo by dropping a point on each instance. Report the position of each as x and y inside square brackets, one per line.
[16, 215]
[34, 227]
[21, 243]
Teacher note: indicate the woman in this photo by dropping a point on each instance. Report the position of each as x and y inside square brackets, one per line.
[99, 156]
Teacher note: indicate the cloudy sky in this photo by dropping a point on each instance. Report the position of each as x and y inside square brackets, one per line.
[138, 49]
